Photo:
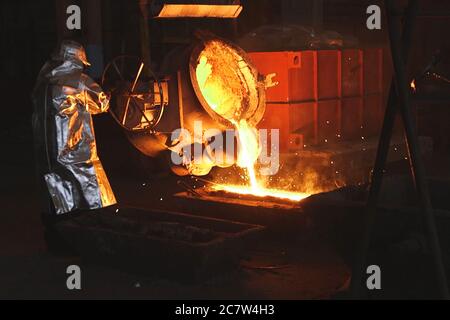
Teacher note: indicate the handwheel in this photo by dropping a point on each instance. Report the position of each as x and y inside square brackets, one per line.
[137, 96]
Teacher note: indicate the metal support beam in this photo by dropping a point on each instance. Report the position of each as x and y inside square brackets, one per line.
[144, 29]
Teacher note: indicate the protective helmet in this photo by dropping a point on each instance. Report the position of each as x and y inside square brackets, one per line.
[71, 50]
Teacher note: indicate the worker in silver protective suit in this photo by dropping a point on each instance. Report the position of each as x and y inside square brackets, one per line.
[69, 169]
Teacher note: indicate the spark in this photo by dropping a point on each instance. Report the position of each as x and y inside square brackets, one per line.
[413, 85]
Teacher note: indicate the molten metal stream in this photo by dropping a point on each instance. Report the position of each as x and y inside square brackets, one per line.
[223, 90]
[248, 153]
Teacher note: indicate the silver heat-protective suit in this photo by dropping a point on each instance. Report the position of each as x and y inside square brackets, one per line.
[64, 101]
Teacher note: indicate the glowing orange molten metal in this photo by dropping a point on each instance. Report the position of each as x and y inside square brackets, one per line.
[263, 192]
[221, 82]
[413, 85]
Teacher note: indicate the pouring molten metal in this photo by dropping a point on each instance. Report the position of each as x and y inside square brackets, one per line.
[229, 87]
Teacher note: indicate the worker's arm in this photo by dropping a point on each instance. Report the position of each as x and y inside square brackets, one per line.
[95, 100]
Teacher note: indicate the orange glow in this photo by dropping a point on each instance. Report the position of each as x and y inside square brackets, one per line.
[226, 83]
[249, 151]
[262, 192]
[223, 90]
[221, 93]
[199, 11]
[413, 85]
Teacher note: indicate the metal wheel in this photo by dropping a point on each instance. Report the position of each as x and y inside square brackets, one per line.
[137, 100]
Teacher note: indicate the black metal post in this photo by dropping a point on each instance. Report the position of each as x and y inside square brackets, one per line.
[381, 160]
[400, 52]
[416, 162]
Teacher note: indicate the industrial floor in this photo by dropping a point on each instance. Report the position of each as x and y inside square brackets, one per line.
[311, 270]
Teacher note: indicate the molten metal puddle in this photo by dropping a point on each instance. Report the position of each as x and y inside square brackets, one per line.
[262, 192]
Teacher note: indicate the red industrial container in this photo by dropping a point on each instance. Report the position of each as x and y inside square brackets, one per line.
[277, 117]
[283, 64]
[324, 95]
